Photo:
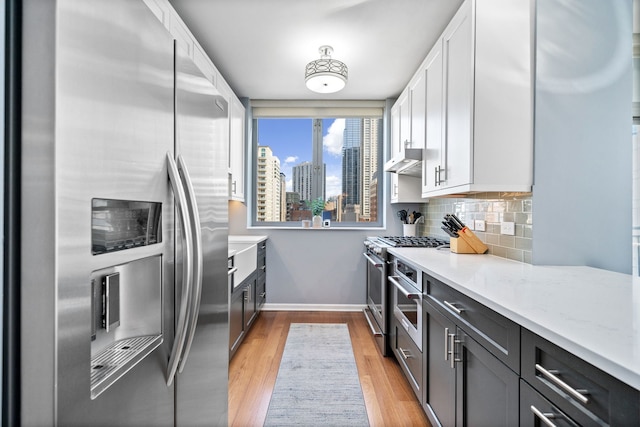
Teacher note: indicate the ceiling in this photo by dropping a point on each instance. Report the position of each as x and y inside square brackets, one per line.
[261, 47]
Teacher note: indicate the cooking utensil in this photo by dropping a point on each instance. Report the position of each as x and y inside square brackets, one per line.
[403, 216]
[411, 215]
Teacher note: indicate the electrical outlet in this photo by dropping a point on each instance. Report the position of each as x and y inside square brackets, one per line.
[470, 225]
[480, 225]
[508, 228]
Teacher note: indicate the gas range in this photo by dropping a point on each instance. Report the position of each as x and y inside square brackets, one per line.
[379, 244]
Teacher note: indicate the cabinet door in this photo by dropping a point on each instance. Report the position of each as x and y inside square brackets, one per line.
[250, 302]
[236, 320]
[395, 147]
[487, 391]
[417, 99]
[236, 149]
[404, 112]
[433, 154]
[458, 57]
[439, 403]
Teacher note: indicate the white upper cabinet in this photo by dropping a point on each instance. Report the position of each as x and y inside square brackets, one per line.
[479, 118]
[435, 149]
[237, 145]
[404, 188]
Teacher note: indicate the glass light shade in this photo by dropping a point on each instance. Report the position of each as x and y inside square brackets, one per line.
[326, 75]
[326, 82]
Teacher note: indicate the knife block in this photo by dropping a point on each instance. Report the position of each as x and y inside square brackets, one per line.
[467, 243]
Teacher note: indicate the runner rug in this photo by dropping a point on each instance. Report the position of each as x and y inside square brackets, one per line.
[317, 382]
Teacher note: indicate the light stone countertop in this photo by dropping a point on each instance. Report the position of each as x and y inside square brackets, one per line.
[242, 238]
[592, 313]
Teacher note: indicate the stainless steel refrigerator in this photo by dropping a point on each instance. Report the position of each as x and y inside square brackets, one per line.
[123, 299]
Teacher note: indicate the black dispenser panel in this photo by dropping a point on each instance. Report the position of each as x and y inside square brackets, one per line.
[123, 224]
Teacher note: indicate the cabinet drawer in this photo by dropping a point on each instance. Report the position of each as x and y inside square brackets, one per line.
[534, 408]
[493, 331]
[409, 356]
[585, 393]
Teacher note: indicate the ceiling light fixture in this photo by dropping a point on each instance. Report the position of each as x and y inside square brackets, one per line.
[326, 75]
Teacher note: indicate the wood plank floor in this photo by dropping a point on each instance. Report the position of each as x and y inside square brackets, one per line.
[253, 370]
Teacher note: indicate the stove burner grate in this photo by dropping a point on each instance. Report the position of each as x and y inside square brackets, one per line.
[413, 242]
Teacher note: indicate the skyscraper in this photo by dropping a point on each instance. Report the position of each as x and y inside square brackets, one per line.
[268, 186]
[351, 162]
[361, 140]
[371, 140]
[303, 178]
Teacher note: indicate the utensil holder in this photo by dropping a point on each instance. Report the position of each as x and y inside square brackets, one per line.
[409, 230]
[467, 243]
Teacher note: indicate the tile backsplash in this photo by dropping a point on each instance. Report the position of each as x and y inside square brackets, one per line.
[493, 208]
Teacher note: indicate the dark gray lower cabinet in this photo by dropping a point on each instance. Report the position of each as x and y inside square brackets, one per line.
[408, 355]
[535, 409]
[466, 385]
[487, 391]
[587, 395]
[440, 384]
[236, 321]
[242, 311]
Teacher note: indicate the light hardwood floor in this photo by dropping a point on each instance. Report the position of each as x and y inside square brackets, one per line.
[253, 370]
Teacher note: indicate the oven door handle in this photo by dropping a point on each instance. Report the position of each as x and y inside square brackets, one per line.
[409, 293]
[374, 330]
[375, 263]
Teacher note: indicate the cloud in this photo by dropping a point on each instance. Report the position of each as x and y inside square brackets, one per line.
[333, 186]
[332, 141]
[291, 159]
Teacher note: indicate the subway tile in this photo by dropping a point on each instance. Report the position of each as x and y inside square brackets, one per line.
[514, 206]
[515, 254]
[522, 243]
[507, 241]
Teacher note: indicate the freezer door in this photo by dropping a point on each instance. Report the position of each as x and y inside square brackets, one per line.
[202, 140]
[98, 122]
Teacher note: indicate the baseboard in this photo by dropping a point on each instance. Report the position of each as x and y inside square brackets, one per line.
[313, 307]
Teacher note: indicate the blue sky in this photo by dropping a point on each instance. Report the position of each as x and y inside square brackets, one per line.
[290, 141]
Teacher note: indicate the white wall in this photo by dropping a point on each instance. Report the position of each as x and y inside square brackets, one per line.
[582, 184]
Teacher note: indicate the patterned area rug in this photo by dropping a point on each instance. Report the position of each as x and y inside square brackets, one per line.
[317, 383]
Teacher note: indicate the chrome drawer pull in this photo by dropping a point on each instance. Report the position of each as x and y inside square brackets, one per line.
[453, 307]
[576, 394]
[404, 354]
[446, 343]
[544, 417]
[452, 351]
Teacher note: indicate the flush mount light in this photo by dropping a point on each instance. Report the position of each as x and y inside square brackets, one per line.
[326, 75]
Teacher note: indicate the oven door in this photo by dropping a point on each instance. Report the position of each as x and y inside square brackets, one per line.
[377, 300]
[407, 307]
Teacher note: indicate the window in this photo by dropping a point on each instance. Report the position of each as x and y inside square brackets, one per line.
[299, 160]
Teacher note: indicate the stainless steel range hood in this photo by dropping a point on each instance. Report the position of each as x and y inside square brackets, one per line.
[406, 162]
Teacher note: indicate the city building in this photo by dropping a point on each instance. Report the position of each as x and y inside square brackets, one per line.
[268, 185]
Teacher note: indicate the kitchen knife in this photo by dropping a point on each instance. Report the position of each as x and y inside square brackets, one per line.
[457, 220]
[451, 223]
[449, 232]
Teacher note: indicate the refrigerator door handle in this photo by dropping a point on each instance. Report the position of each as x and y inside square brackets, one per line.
[187, 270]
[196, 290]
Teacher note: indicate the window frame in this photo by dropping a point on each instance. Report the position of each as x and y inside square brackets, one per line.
[315, 110]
